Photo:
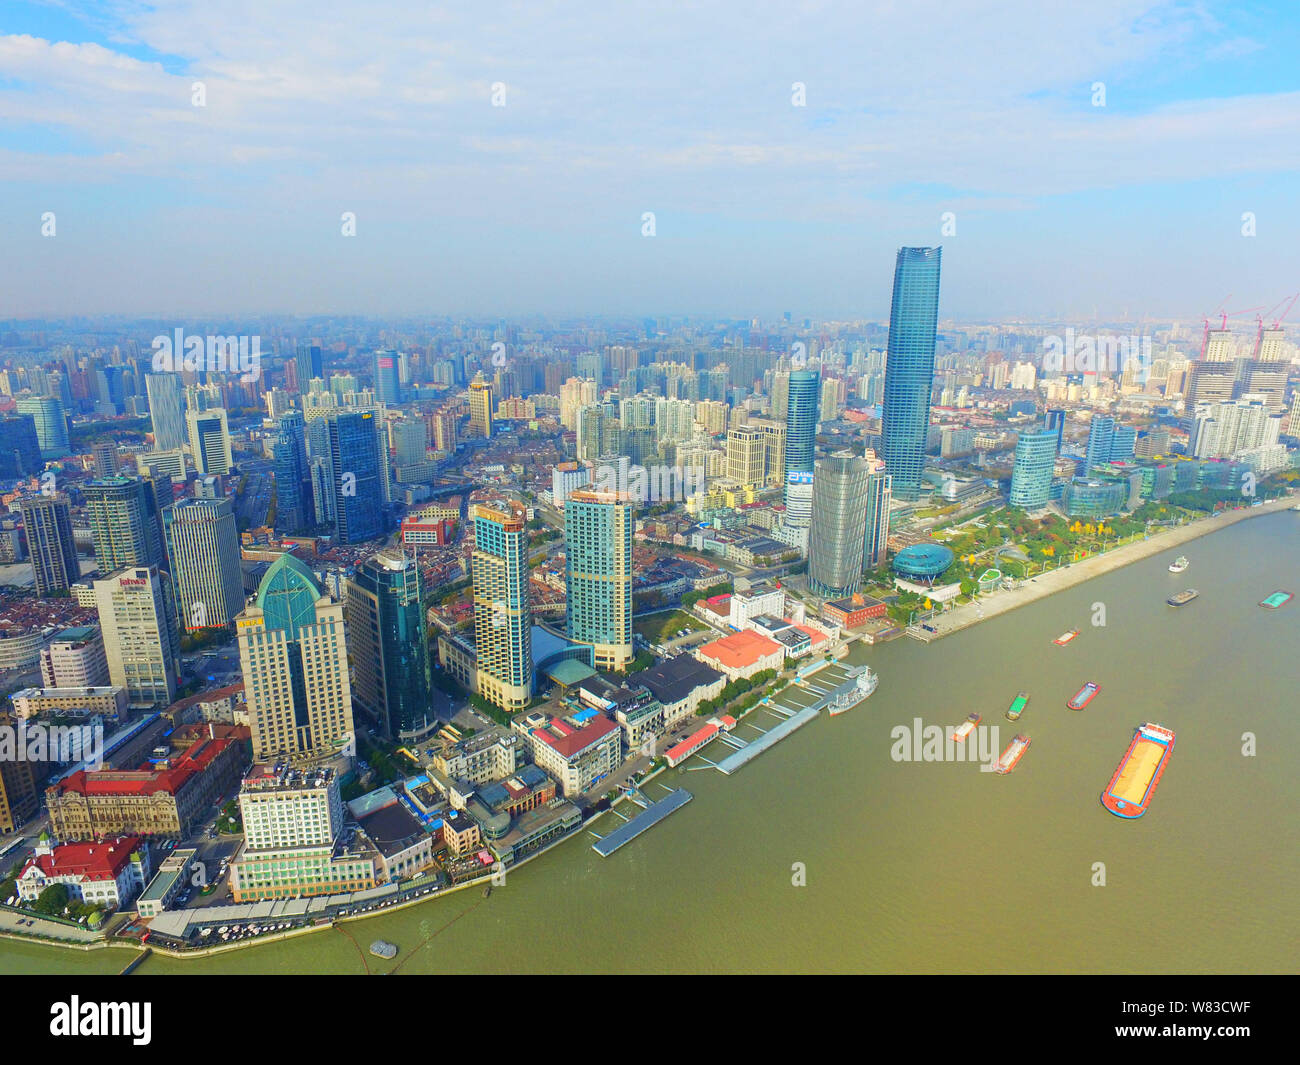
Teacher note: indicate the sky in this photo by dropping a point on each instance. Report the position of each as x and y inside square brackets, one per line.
[1092, 160]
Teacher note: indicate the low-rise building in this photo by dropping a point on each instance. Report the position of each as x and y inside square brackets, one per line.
[109, 701]
[576, 755]
[742, 654]
[108, 872]
[166, 800]
[681, 684]
[853, 612]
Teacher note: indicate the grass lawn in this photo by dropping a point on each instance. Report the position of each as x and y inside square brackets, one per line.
[659, 627]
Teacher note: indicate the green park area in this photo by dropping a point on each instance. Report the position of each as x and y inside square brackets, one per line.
[660, 627]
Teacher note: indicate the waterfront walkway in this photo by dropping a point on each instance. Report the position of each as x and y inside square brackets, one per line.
[1045, 584]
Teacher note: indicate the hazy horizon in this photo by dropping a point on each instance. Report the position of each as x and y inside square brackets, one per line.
[785, 155]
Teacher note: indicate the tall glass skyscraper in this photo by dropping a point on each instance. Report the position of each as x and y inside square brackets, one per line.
[1056, 422]
[1031, 477]
[295, 511]
[598, 574]
[838, 534]
[166, 403]
[358, 492]
[802, 399]
[51, 424]
[909, 371]
[308, 365]
[880, 494]
[1101, 437]
[388, 386]
[389, 644]
[503, 615]
[203, 549]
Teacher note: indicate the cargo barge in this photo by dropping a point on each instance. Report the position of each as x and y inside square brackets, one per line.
[1130, 790]
[1017, 706]
[966, 727]
[1084, 696]
[1182, 598]
[1276, 600]
[1065, 637]
[1011, 756]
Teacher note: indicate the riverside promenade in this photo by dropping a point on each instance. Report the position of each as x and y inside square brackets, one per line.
[1056, 580]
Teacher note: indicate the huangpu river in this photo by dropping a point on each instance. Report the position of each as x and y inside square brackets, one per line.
[827, 855]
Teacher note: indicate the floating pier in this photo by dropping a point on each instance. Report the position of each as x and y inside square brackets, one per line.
[646, 819]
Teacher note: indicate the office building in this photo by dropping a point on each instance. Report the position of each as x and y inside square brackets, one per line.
[880, 495]
[355, 459]
[390, 645]
[502, 610]
[801, 421]
[837, 536]
[166, 403]
[388, 386]
[480, 407]
[137, 616]
[295, 662]
[1055, 421]
[20, 449]
[209, 440]
[203, 549]
[48, 526]
[598, 529]
[309, 365]
[51, 424]
[1031, 476]
[126, 521]
[909, 369]
[295, 510]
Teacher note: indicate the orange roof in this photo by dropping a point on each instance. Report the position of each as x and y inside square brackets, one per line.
[813, 634]
[741, 649]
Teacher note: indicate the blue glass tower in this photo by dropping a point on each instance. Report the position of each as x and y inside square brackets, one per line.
[1101, 442]
[388, 387]
[801, 406]
[1031, 477]
[909, 372]
[358, 494]
[294, 510]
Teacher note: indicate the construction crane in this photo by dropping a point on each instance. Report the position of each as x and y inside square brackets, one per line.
[1224, 315]
[1277, 322]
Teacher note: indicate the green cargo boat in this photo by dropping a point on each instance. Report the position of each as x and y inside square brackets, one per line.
[1018, 706]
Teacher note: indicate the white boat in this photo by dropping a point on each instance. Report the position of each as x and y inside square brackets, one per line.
[866, 684]
[1179, 564]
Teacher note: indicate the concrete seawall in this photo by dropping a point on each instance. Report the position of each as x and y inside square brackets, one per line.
[1057, 580]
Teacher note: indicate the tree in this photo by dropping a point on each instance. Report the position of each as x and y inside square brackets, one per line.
[53, 900]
